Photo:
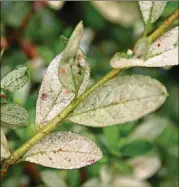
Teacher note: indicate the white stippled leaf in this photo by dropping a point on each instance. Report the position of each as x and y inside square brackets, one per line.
[15, 79]
[65, 78]
[154, 125]
[152, 10]
[118, 12]
[64, 150]
[145, 166]
[13, 115]
[120, 100]
[163, 52]
[128, 181]
[4, 146]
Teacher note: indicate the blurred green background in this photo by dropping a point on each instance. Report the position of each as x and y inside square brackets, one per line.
[30, 32]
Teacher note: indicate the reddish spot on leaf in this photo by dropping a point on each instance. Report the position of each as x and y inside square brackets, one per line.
[44, 96]
[62, 70]
[59, 150]
[91, 161]
[67, 91]
[158, 45]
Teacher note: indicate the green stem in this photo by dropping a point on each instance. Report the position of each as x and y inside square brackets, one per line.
[160, 30]
[51, 125]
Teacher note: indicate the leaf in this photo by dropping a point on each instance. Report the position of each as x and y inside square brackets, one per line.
[163, 52]
[136, 148]
[4, 146]
[55, 94]
[13, 116]
[64, 150]
[73, 69]
[92, 182]
[153, 124]
[120, 100]
[128, 181]
[111, 135]
[52, 179]
[152, 10]
[15, 79]
[56, 5]
[145, 166]
[118, 12]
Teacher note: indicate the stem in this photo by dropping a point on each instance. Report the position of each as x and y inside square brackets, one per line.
[160, 30]
[51, 125]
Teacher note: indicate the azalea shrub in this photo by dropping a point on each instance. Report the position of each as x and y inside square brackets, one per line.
[89, 94]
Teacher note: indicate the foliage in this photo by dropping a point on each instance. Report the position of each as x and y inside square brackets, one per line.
[39, 90]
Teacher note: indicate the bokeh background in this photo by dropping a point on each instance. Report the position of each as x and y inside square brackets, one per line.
[30, 34]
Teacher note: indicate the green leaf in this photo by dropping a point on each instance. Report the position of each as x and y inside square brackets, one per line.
[152, 10]
[136, 148]
[111, 135]
[14, 12]
[73, 176]
[64, 150]
[15, 79]
[121, 99]
[13, 116]
[4, 146]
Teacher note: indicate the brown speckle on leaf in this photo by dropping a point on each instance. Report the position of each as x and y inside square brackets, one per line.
[91, 161]
[43, 96]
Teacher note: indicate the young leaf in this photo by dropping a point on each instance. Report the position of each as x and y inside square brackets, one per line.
[136, 148]
[62, 81]
[120, 100]
[64, 150]
[153, 124]
[152, 10]
[73, 68]
[163, 52]
[145, 166]
[15, 79]
[4, 146]
[13, 116]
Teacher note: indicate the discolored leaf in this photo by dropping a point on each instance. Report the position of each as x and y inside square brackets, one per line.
[62, 82]
[152, 10]
[128, 181]
[4, 146]
[52, 179]
[64, 150]
[13, 116]
[56, 5]
[145, 166]
[92, 182]
[163, 52]
[118, 12]
[15, 79]
[120, 100]
[136, 148]
[150, 129]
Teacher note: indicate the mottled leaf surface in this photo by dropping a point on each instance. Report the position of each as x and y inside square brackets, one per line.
[13, 115]
[145, 166]
[120, 100]
[64, 150]
[152, 10]
[67, 77]
[163, 52]
[4, 146]
[15, 79]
